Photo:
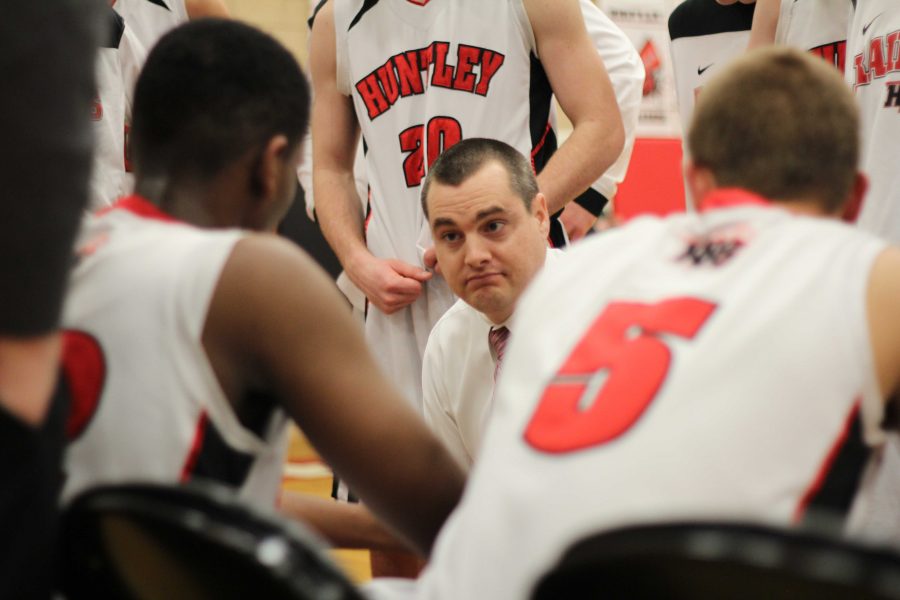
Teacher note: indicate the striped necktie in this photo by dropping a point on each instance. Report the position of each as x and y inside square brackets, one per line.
[497, 337]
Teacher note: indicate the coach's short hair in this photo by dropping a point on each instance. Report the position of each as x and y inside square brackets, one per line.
[210, 91]
[781, 123]
[468, 156]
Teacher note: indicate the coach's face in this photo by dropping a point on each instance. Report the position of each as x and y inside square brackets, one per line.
[488, 244]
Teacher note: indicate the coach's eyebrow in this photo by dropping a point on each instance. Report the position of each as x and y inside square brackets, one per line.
[444, 221]
[487, 212]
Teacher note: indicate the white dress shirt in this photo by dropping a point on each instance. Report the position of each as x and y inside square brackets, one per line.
[458, 377]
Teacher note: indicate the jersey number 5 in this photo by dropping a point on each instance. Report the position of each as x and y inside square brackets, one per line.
[438, 135]
[613, 374]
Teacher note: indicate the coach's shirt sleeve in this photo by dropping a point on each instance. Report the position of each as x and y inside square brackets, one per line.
[437, 404]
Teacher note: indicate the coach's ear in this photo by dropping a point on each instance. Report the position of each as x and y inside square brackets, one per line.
[539, 211]
[700, 181]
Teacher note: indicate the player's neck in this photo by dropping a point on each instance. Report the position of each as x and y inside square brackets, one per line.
[203, 204]
[805, 208]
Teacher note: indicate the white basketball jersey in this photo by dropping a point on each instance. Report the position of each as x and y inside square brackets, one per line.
[422, 75]
[707, 368]
[873, 69]
[147, 405]
[151, 19]
[818, 26]
[118, 64]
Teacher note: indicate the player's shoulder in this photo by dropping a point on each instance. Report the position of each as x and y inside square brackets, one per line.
[271, 253]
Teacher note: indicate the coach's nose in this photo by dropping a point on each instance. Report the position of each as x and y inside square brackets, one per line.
[478, 251]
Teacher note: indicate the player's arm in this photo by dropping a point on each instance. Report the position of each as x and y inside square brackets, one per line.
[277, 321]
[884, 327]
[584, 92]
[389, 284]
[198, 9]
[343, 524]
[626, 73]
[765, 22]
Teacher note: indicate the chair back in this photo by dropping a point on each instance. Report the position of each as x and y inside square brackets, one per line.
[700, 561]
[171, 542]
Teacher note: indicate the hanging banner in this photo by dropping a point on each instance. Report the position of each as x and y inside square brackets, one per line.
[645, 22]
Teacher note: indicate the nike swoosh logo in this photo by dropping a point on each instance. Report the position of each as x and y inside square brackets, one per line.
[701, 71]
[866, 28]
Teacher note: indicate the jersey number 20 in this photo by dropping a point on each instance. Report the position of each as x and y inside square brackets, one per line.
[437, 136]
[613, 374]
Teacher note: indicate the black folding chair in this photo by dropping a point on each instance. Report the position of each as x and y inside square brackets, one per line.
[159, 542]
[700, 561]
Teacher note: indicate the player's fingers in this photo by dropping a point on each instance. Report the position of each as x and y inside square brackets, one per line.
[411, 271]
[404, 287]
[395, 302]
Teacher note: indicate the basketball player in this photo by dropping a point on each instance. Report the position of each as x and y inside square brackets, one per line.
[46, 66]
[415, 78]
[626, 73]
[191, 337]
[872, 71]
[699, 373]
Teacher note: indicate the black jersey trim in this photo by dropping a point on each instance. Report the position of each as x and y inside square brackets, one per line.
[160, 3]
[216, 459]
[220, 462]
[543, 138]
[543, 141]
[693, 18]
[367, 5]
[592, 201]
[115, 31]
[315, 12]
[842, 479]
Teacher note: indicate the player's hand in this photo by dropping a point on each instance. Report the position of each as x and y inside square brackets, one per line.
[390, 284]
[576, 220]
[431, 261]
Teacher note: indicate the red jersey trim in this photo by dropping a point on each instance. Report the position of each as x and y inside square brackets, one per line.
[191, 462]
[540, 144]
[731, 197]
[84, 368]
[825, 468]
[139, 206]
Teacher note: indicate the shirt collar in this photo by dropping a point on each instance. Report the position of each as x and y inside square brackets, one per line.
[140, 207]
[731, 198]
